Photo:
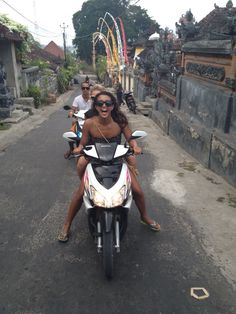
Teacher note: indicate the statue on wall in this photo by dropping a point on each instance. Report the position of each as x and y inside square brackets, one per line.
[3, 74]
[159, 60]
[6, 99]
[188, 28]
[166, 67]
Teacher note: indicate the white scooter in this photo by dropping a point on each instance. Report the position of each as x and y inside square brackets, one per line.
[74, 137]
[108, 196]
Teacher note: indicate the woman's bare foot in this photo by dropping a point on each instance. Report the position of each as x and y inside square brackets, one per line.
[64, 234]
[152, 224]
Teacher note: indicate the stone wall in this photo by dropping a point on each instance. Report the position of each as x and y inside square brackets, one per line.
[140, 90]
[46, 81]
[29, 76]
[203, 123]
[48, 84]
[207, 103]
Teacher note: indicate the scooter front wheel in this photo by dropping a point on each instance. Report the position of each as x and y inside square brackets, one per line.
[108, 253]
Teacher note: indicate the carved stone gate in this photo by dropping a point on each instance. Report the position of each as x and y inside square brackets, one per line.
[196, 100]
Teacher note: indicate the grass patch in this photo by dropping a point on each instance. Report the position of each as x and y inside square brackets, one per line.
[180, 174]
[188, 165]
[221, 199]
[212, 180]
[4, 126]
[230, 200]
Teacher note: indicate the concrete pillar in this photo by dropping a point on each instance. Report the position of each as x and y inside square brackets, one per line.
[8, 57]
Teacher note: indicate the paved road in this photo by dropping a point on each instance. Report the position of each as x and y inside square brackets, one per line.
[153, 273]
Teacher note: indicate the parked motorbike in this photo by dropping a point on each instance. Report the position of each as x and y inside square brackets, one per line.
[130, 102]
[108, 196]
[74, 137]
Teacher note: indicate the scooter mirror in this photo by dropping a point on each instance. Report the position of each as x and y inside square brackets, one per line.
[80, 114]
[66, 107]
[70, 136]
[138, 134]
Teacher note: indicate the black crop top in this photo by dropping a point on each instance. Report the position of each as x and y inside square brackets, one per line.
[114, 139]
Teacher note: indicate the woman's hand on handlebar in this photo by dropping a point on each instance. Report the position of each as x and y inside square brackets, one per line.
[137, 150]
[77, 151]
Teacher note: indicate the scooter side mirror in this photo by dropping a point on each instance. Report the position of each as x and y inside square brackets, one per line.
[70, 136]
[66, 107]
[80, 114]
[138, 134]
[135, 135]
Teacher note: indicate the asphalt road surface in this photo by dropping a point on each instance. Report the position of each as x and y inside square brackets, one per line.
[154, 271]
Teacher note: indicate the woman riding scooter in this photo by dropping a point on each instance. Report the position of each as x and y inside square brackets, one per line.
[108, 124]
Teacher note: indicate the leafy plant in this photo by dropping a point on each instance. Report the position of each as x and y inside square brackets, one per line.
[4, 126]
[12, 25]
[63, 80]
[40, 63]
[34, 91]
[65, 75]
[101, 67]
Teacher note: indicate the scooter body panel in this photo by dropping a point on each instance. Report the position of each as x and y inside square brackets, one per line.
[96, 194]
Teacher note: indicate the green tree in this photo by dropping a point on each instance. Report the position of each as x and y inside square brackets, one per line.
[135, 19]
[101, 67]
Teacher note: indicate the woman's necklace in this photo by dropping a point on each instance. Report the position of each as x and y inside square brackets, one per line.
[102, 133]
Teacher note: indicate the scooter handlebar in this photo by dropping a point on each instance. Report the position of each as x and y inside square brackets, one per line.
[131, 152]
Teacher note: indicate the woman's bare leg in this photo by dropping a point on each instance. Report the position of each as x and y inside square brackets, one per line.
[139, 199]
[81, 165]
[132, 164]
[74, 207]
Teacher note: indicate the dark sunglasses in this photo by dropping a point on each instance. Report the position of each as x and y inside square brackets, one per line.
[108, 103]
[83, 88]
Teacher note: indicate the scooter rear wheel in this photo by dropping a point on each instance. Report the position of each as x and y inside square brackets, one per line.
[108, 253]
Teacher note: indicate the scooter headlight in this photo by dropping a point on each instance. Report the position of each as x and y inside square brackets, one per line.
[119, 197]
[97, 198]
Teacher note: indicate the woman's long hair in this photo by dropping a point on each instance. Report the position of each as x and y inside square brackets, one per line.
[116, 114]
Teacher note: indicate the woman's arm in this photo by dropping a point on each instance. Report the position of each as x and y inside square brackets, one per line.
[133, 144]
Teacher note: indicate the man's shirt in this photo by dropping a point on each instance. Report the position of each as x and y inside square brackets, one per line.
[81, 104]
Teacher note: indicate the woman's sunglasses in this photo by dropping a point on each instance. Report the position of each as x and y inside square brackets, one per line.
[108, 103]
[83, 88]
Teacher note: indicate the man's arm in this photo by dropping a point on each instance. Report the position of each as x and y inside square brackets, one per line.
[74, 108]
[72, 111]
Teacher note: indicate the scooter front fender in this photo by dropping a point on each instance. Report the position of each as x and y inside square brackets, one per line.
[108, 218]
